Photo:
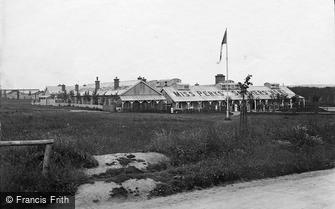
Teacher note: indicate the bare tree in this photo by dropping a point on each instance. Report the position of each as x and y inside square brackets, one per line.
[243, 116]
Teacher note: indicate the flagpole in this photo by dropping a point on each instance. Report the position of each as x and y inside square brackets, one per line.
[227, 84]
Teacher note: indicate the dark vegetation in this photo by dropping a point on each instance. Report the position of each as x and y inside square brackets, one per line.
[326, 95]
[204, 149]
[119, 192]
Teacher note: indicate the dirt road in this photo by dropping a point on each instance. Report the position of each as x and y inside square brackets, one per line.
[313, 190]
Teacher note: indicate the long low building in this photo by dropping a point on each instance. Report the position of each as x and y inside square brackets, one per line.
[172, 95]
[134, 95]
[214, 97]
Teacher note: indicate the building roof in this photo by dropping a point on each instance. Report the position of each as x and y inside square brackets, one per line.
[263, 92]
[217, 93]
[90, 88]
[195, 93]
[176, 91]
[123, 87]
[106, 88]
[143, 98]
[53, 90]
[86, 91]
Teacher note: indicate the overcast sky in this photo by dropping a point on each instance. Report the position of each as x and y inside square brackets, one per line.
[47, 42]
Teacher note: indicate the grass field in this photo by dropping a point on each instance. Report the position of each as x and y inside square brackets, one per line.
[103, 131]
[204, 149]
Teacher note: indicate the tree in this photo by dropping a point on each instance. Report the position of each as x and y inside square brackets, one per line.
[316, 100]
[243, 115]
[277, 100]
[295, 103]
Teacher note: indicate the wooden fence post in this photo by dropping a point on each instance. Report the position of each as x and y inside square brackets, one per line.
[46, 159]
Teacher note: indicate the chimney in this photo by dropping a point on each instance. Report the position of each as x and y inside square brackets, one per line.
[219, 78]
[97, 84]
[76, 88]
[63, 88]
[271, 85]
[141, 79]
[116, 83]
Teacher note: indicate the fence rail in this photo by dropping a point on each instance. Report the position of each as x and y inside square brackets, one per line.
[48, 146]
[26, 142]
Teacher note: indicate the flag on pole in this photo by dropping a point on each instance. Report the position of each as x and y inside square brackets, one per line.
[224, 41]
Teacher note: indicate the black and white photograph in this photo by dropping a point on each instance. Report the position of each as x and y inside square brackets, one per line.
[159, 104]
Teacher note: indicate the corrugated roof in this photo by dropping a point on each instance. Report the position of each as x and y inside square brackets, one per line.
[196, 93]
[260, 92]
[263, 92]
[143, 98]
[54, 89]
[101, 92]
[123, 87]
[87, 91]
[215, 93]
[110, 85]
[290, 93]
[104, 87]
[109, 92]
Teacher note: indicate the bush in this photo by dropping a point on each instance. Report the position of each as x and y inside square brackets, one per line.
[192, 145]
[78, 158]
[301, 137]
[162, 189]
[119, 192]
[185, 147]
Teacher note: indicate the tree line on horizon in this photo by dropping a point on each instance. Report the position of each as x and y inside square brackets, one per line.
[324, 96]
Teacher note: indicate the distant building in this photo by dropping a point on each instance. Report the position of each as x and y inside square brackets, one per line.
[29, 94]
[132, 95]
[170, 95]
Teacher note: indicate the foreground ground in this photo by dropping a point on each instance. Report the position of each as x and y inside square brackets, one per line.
[311, 190]
[204, 149]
